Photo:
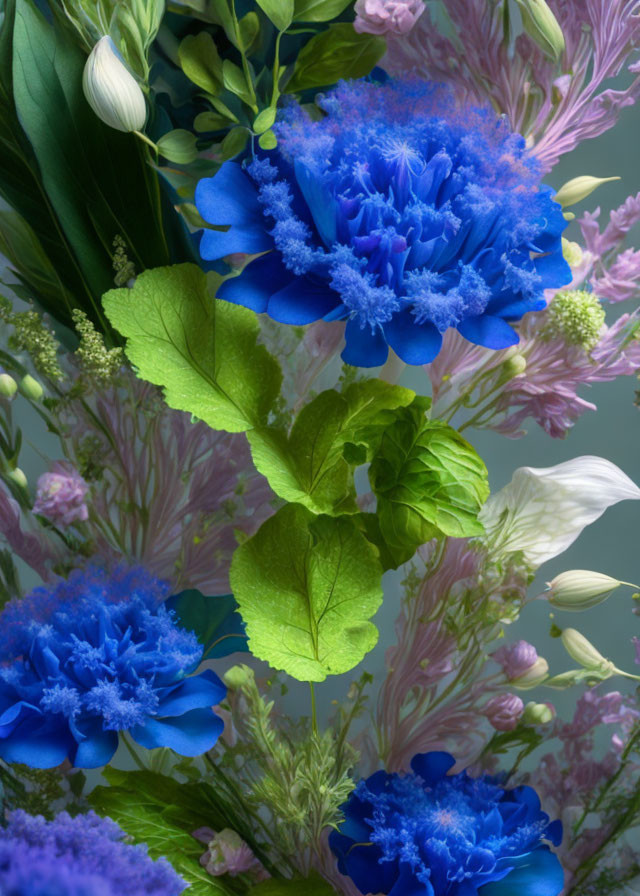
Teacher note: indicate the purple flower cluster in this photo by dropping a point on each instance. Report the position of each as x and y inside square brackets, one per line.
[60, 496]
[81, 856]
[97, 655]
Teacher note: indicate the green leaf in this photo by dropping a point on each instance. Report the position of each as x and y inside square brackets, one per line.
[214, 620]
[178, 146]
[235, 81]
[200, 62]
[311, 466]
[428, 480]
[309, 886]
[162, 813]
[249, 30]
[268, 140]
[264, 120]
[306, 587]
[339, 52]
[210, 121]
[280, 12]
[234, 142]
[202, 350]
[319, 10]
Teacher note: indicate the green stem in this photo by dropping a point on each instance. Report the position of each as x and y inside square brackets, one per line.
[314, 717]
[245, 62]
[146, 140]
[133, 753]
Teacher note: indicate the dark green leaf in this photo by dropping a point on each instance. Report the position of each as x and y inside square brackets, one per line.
[339, 52]
[215, 621]
[178, 146]
[235, 81]
[249, 30]
[309, 886]
[428, 480]
[201, 350]
[306, 587]
[280, 12]
[311, 466]
[234, 142]
[319, 10]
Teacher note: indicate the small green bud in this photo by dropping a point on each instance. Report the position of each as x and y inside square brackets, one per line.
[578, 188]
[566, 679]
[576, 316]
[572, 253]
[584, 653]
[111, 90]
[8, 386]
[31, 388]
[512, 367]
[18, 477]
[238, 677]
[579, 589]
[542, 26]
[534, 675]
[537, 714]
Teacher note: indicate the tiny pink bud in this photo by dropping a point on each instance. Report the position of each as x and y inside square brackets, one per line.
[504, 711]
[387, 16]
[60, 495]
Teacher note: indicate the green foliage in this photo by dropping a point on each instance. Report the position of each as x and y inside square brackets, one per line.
[306, 587]
[162, 813]
[201, 62]
[319, 10]
[308, 465]
[214, 620]
[310, 886]
[202, 351]
[178, 146]
[338, 52]
[280, 12]
[74, 184]
[428, 480]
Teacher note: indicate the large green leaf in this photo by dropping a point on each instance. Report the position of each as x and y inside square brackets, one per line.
[163, 813]
[428, 480]
[319, 10]
[308, 466]
[93, 179]
[202, 350]
[309, 886]
[339, 52]
[306, 587]
[279, 11]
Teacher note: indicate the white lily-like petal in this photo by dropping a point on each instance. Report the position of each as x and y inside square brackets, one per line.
[111, 90]
[543, 510]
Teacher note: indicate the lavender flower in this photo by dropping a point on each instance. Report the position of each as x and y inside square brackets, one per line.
[227, 853]
[94, 656]
[516, 659]
[81, 856]
[387, 16]
[504, 711]
[555, 105]
[60, 495]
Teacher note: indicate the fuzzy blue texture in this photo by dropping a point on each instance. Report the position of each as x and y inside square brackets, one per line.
[96, 655]
[81, 856]
[398, 212]
[434, 834]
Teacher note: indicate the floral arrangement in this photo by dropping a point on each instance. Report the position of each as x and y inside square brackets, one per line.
[270, 265]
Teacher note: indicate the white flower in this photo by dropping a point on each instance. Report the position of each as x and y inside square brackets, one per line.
[542, 511]
[580, 589]
[111, 90]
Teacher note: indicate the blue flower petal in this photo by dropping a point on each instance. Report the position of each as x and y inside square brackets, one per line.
[553, 270]
[433, 766]
[364, 348]
[192, 734]
[301, 302]
[413, 343]
[229, 198]
[554, 832]
[362, 864]
[408, 885]
[254, 286]
[537, 874]
[489, 331]
[97, 749]
[37, 745]
[217, 244]
[321, 203]
[197, 692]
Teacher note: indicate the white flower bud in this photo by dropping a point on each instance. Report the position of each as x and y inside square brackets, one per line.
[583, 652]
[578, 188]
[579, 589]
[18, 477]
[534, 675]
[542, 26]
[111, 90]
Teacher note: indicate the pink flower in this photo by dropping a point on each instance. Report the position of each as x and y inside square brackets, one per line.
[227, 853]
[516, 659]
[504, 711]
[387, 16]
[60, 495]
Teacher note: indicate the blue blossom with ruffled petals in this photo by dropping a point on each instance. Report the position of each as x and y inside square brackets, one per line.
[81, 856]
[99, 654]
[400, 212]
[433, 834]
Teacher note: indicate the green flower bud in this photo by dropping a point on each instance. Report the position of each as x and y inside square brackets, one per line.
[579, 589]
[572, 253]
[111, 90]
[18, 477]
[566, 679]
[584, 653]
[534, 675]
[575, 316]
[31, 388]
[537, 714]
[578, 188]
[8, 386]
[542, 26]
[238, 677]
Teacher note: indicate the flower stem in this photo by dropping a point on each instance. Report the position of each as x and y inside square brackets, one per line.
[314, 717]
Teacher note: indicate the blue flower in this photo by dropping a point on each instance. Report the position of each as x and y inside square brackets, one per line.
[81, 856]
[433, 834]
[399, 212]
[95, 655]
